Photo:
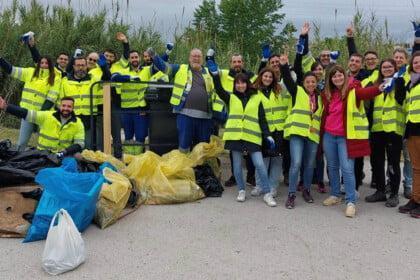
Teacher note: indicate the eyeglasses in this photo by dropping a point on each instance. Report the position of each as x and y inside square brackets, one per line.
[92, 59]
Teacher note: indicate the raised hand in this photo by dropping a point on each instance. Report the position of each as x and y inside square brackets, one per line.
[121, 37]
[350, 30]
[305, 28]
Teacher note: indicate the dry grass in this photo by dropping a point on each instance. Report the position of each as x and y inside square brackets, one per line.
[13, 134]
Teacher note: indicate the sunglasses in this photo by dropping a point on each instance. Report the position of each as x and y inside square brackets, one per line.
[92, 59]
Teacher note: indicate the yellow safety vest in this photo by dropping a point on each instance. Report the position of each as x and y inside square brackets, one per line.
[371, 79]
[388, 115]
[276, 109]
[307, 62]
[357, 122]
[36, 90]
[80, 91]
[413, 105]
[301, 121]
[53, 136]
[227, 80]
[242, 123]
[132, 94]
[183, 83]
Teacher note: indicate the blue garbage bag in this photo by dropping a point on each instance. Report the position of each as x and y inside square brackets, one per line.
[64, 187]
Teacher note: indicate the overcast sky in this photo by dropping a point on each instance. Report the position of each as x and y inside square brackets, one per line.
[169, 16]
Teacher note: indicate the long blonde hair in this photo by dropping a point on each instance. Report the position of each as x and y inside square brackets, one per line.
[330, 87]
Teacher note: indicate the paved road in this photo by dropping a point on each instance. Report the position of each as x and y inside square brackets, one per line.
[218, 238]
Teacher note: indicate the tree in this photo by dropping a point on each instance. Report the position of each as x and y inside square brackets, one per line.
[243, 24]
[206, 18]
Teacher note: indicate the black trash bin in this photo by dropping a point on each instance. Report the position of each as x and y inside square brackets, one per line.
[163, 135]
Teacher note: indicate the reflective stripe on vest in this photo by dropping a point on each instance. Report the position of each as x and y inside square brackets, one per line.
[243, 124]
[413, 104]
[55, 137]
[80, 91]
[183, 83]
[132, 94]
[35, 90]
[388, 115]
[357, 123]
[276, 109]
[301, 121]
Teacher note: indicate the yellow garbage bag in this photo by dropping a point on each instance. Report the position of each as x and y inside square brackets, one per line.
[101, 157]
[164, 180]
[112, 198]
[203, 151]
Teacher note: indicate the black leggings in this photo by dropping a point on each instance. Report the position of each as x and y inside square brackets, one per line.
[391, 144]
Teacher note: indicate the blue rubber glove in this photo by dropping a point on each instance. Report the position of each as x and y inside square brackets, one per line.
[26, 37]
[159, 63]
[400, 72]
[389, 85]
[271, 142]
[212, 66]
[211, 53]
[117, 77]
[266, 51]
[102, 60]
[334, 55]
[416, 27]
[300, 46]
[169, 48]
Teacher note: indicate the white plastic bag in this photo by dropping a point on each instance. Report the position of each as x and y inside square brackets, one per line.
[64, 249]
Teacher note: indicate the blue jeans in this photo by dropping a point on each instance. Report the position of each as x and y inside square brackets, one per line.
[273, 166]
[302, 150]
[25, 132]
[134, 124]
[192, 131]
[260, 169]
[335, 150]
[408, 169]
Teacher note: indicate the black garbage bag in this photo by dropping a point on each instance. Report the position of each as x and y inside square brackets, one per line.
[6, 150]
[205, 178]
[23, 167]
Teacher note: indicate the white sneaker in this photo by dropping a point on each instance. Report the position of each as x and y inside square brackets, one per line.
[274, 192]
[241, 196]
[256, 191]
[269, 200]
[350, 210]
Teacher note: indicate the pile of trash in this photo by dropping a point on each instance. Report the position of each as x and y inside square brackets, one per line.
[98, 187]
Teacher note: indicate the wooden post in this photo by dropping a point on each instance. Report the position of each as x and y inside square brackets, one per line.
[107, 118]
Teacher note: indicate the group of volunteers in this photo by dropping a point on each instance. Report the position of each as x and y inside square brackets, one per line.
[284, 120]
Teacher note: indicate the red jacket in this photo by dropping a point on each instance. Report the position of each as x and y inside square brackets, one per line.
[355, 147]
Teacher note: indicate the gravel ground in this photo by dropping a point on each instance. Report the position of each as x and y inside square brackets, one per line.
[218, 238]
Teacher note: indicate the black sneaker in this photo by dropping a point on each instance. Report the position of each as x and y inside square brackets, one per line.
[392, 201]
[376, 197]
[410, 205]
[306, 194]
[290, 203]
[415, 213]
[251, 180]
[407, 192]
[388, 187]
[230, 182]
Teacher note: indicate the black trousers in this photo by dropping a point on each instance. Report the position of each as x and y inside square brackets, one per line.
[391, 144]
[358, 171]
